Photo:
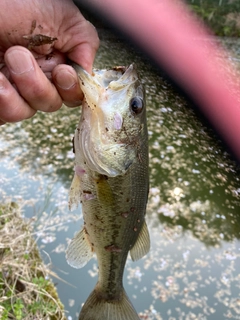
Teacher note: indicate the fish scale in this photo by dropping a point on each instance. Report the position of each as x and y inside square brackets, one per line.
[111, 182]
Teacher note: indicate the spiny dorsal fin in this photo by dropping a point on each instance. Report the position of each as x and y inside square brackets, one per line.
[142, 245]
[79, 251]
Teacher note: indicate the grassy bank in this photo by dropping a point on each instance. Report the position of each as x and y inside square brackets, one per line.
[222, 16]
[25, 289]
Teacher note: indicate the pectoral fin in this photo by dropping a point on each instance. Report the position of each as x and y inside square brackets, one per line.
[74, 193]
[79, 251]
[104, 191]
[142, 245]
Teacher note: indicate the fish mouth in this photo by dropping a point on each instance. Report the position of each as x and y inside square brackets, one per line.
[114, 78]
[102, 153]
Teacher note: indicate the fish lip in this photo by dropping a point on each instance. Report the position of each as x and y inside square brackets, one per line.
[129, 75]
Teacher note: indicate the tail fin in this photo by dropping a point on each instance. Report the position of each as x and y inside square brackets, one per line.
[96, 308]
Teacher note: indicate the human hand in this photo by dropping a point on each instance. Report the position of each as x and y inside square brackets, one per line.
[25, 74]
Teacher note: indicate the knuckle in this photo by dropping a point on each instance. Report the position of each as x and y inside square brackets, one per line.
[15, 112]
[95, 41]
[37, 91]
[12, 106]
[43, 97]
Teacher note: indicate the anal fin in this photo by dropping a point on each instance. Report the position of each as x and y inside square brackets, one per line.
[142, 244]
[79, 251]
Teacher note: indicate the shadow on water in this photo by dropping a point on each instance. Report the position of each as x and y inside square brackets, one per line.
[193, 211]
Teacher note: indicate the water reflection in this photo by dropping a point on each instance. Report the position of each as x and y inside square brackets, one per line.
[192, 271]
[43, 144]
[198, 183]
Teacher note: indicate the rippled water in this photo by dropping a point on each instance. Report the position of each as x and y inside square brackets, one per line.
[192, 270]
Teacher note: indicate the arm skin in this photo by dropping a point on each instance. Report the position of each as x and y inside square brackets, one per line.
[25, 74]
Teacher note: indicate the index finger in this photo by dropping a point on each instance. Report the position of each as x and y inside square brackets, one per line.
[80, 43]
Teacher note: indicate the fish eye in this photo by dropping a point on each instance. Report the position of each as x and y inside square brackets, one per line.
[136, 105]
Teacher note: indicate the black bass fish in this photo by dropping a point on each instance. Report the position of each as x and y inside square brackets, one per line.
[111, 182]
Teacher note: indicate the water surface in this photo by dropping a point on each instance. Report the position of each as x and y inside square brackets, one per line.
[192, 270]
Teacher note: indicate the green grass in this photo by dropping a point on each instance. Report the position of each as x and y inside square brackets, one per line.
[223, 17]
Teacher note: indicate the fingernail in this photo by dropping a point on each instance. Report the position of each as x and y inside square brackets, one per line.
[65, 82]
[19, 62]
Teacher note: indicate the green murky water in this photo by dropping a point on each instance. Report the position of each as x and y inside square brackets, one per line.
[193, 268]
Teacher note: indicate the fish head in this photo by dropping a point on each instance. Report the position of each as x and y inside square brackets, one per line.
[113, 118]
